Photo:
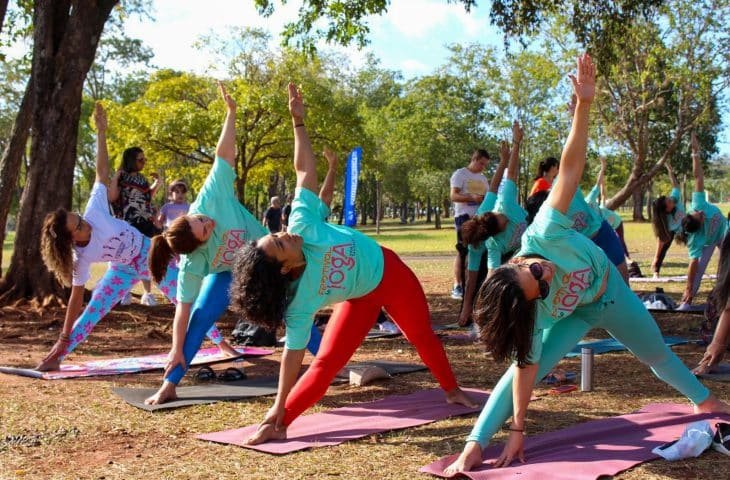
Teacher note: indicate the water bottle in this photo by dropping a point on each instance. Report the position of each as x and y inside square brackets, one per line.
[586, 369]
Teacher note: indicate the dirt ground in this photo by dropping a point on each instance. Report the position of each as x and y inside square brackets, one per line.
[77, 429]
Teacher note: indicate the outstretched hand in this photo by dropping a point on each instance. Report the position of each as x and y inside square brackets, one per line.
[296, 103]
[695, 143]
[100, 117]
[331, 158]
[230, 103]
[504, 152]
[513, 450]
[584, 82]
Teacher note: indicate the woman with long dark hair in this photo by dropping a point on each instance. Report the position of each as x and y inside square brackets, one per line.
[559, 286]
[71, 243]
[497, 230]
[206, 240]
[666, 220]
[703, 229]
[291, 275]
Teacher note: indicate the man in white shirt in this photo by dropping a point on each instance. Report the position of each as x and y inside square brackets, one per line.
[468, 187]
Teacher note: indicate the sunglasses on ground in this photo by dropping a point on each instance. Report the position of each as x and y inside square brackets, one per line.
[207, 374]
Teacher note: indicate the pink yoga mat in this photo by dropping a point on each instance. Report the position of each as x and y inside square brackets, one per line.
[357, 421]
[119, 366]
[591, 449]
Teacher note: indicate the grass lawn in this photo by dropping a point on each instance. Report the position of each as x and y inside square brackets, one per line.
[78, 429]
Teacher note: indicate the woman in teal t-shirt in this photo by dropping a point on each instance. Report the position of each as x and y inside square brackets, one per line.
[559, 286]
[667, 221]
[206, 239]
[703, 229]
[291, 275]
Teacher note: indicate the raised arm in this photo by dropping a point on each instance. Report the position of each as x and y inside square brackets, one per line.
[226, 148]
[601, 180]
[102, 154]
[697, 169]
[513, 169]
[672, 176]
[304, 162]
[504, 155]
[328, 187]
[573, 159]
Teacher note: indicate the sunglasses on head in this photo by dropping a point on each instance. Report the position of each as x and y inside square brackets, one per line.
[537, 272]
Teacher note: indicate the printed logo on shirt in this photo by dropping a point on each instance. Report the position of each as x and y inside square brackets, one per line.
[337, 261]
[232, 241]
[119, 248]
[568, 295]
[579, 221]
[714, 226]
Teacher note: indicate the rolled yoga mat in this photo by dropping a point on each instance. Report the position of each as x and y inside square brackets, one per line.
[120, 366]
[356, 421]
[675, 279]
[588, 450]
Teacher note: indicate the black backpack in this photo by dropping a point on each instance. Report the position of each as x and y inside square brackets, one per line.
[252, 335]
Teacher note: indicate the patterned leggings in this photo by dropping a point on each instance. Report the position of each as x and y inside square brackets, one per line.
[114, 285]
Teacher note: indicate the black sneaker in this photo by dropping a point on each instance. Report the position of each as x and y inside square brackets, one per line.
[721, 440]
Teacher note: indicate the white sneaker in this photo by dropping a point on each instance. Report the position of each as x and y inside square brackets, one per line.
[127, 299]
[148, 300]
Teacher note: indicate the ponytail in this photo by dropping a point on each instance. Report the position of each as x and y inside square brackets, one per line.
[659, 219]
[545, 165]
[176, 240]
[56, 246]
[480, 228]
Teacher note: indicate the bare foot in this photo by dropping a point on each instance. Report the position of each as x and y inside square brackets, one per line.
[227, 350]
[469, 458]
[458, 396]
[265, 433]
[50, 363]
[712, 405]
[166, 393]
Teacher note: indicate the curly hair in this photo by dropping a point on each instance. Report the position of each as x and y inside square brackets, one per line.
[659, 219]
[177, 239]
[259, 289]
[57, 246]
[505, 317]
[479, 228]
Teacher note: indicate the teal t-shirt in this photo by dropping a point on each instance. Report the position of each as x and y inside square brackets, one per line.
[613, 218]
[509, 239]
[713, 229]
[586, 220]
[580, 267]
[674, 220]
[474, 257]
[342, 264]
[234, 226]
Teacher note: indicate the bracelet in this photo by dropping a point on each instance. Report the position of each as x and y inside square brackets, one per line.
[516, 430]
[297, 125]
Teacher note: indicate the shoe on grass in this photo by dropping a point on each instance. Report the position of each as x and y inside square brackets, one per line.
[127, 300]
[457, 293]
[721, 440]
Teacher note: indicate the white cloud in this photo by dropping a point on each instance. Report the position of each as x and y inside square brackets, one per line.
[416, 19]
[413, 67]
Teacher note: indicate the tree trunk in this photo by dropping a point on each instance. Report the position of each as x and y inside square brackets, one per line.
[12, 157]
[378, 207]
[65, 38]
[3, 9]
[638, 199]
[447, 206]
[428, 210]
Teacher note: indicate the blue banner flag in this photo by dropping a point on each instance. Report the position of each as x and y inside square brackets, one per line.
[352, 174]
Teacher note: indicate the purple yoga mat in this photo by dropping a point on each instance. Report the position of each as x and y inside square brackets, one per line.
[357, 421]
[119, 366]
[591, 449]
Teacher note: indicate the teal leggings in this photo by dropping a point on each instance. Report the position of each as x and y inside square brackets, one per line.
[620, 312]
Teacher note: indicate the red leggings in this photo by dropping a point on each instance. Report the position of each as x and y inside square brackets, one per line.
[400, 293]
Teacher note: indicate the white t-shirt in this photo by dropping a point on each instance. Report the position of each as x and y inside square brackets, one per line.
[112, 239]
[468, 183]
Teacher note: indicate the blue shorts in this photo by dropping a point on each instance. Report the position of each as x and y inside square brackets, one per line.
[607, 239]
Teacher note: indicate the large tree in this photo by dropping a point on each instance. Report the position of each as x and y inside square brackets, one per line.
[65, 37]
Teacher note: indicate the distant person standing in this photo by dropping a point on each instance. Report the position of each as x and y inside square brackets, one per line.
[285, 212]
[273, 216]
[176, 206]
[468, 187]
[547, 170]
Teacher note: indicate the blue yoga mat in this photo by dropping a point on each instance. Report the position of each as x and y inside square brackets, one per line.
[613, 345]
